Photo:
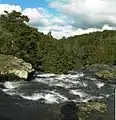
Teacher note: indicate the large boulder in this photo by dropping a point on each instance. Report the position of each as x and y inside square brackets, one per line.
[92, 110]
[104, 72]
[108, 75]
[63, 111]
[12, 68]
[69, 111]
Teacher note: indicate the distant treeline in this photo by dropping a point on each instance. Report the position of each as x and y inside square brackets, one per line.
[48, 54]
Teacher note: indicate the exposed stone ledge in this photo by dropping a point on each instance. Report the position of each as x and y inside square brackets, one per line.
[10, 66]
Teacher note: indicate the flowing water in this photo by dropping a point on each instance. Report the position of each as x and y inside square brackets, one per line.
[29, 100]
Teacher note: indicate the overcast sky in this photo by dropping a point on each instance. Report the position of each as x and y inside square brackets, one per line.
[66, 17]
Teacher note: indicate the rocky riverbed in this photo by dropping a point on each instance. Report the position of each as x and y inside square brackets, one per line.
[85, 94]
[43, 97]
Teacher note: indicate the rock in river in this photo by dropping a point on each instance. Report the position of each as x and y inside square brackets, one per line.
[107, 73]
[13, 68]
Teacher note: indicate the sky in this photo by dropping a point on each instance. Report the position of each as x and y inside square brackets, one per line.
[66, 17]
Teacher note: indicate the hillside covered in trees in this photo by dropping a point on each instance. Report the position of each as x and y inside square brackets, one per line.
[48, 54]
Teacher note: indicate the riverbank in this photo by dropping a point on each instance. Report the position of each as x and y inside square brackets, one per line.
[13, 68]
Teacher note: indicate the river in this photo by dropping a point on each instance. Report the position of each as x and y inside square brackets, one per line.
[24, 100]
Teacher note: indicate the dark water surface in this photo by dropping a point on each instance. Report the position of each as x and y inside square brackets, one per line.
[32, 100]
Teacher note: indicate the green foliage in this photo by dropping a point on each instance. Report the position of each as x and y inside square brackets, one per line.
[45, 53]
[58, 61]
[98, 47]
[18, 39]
[42, 51]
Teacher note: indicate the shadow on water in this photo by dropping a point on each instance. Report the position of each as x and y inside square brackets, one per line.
[4, 118]
[69, 111]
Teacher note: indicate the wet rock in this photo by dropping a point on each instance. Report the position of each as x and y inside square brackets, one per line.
[31, 76]
[96, 68]
[92, 110]
[107, 75]
[69, 111]
[63, 111]
[103, 72]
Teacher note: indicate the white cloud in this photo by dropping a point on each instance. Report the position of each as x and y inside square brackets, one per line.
[88, 11]
[76, 17]
[38, 16]
[9, 8]
[41, 17]
[58, 20]
[67, 31]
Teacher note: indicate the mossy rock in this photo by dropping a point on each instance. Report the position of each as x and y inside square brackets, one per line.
[13, 66]
[92, 110]
[106, 74]
[98, 67]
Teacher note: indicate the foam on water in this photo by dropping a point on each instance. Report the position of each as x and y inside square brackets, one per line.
[12, 85]
[66, 81]
[84, 84]
[10, 88]
[90, 98]
[84, 97]
[74, 82]
[40, 80]
[63, 98]
[35, 96]
[70, 76]
[10, 92]
[79, 92]
[99, 84]
[47, 97]
[46, 75]
[60, 84]
[108, 95]
[90, 78]
[73, 85]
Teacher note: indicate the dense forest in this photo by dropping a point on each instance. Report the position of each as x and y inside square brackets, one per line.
[48, 54]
